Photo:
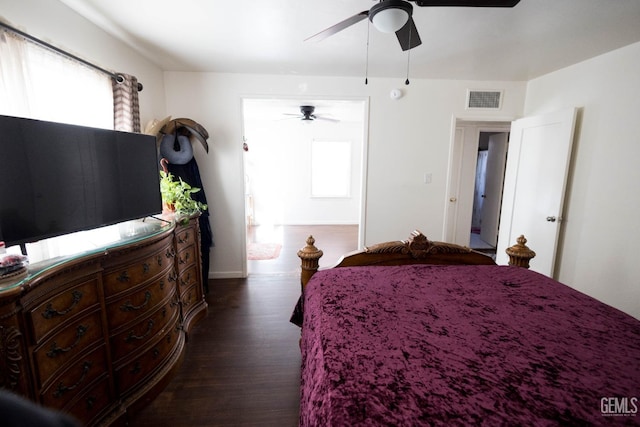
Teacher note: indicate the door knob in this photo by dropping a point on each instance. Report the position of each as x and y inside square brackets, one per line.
[551, 218]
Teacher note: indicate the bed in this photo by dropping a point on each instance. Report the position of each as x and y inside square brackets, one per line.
[416, 332]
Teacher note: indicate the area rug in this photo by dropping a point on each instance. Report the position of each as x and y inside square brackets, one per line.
[263, 251]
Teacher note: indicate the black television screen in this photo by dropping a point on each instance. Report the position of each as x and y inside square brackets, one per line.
[58, 178]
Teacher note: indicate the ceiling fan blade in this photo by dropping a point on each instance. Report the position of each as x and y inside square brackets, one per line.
[326, 119]
[408, 35]
[467, 3]
[339, 26]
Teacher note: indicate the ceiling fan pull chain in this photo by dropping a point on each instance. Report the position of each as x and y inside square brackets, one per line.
[366, 69]
[406, 82]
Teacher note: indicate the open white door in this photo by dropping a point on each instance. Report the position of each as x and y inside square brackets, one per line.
[534, 186]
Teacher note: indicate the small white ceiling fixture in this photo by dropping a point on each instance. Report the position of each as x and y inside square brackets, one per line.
[396, 94]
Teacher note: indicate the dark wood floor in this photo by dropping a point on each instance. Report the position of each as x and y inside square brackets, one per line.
[242, 362]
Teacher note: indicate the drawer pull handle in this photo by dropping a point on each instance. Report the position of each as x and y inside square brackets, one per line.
[132, 336]
[186, 281]
[62, 389]
[146, 267]
[128, 306]
[123, 277]
[55, 350]
[91, 401]
[173, 276]
[186, 302]
[175, 301]
[50, 312]
[170, 253]
[185, 260]
[186, 238]
[159, 260]
[136, 368]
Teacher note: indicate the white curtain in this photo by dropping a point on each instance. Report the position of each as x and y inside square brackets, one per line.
[41, 84]
[38, 83]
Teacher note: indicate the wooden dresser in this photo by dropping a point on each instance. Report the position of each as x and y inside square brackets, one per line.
[98, 334]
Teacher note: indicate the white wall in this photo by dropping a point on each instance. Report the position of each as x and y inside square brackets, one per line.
[599, 254]
[407, 137]
[53, 22]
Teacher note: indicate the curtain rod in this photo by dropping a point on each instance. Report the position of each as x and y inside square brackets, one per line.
[117, 77]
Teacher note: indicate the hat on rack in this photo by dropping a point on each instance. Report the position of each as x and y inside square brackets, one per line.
[154, 126]
[196, 131]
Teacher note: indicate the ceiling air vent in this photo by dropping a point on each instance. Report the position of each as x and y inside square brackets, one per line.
[484, 99]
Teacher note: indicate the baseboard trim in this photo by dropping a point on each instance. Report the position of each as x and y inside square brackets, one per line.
[226, 275]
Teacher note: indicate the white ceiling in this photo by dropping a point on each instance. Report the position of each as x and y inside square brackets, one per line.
[267, 36]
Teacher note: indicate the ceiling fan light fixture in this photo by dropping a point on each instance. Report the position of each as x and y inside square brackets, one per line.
[389, 16]
[307, 113]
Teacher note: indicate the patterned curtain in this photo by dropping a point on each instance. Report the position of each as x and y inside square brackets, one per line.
[126, 109]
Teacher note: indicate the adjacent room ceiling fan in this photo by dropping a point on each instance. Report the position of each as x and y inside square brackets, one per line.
[395, 16]
[307, 114]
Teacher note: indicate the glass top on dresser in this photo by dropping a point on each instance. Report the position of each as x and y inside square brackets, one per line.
[47, 254]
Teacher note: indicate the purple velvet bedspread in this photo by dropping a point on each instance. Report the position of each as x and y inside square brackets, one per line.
[463, 345]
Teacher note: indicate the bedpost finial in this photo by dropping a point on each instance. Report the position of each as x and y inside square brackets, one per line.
[310, 260]
[310, 250]
[520, 254]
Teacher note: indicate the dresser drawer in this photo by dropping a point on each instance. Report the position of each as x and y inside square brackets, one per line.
[185, 237]
[139, 303]
[60, 348]
[136, 371]
[188, 278]
[75, 379]
[186, 258]
[138, 335]
[123, 277]
[62, 307]
[92, 402]
[189, 298]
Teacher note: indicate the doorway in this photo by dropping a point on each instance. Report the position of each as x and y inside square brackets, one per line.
[487, 198]
[289, 154]
[474, 188]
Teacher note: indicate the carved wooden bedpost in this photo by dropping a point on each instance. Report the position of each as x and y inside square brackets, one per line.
[520, 254]
[310, 257]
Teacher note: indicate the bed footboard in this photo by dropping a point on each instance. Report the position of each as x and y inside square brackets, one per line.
[415, 250]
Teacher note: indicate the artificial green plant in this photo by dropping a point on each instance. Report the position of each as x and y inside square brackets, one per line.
[176, 195]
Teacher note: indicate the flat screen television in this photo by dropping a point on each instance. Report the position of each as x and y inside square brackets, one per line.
[58, 178]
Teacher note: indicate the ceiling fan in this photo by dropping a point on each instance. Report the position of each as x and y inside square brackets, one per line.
[307, 114]
[395, 16]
